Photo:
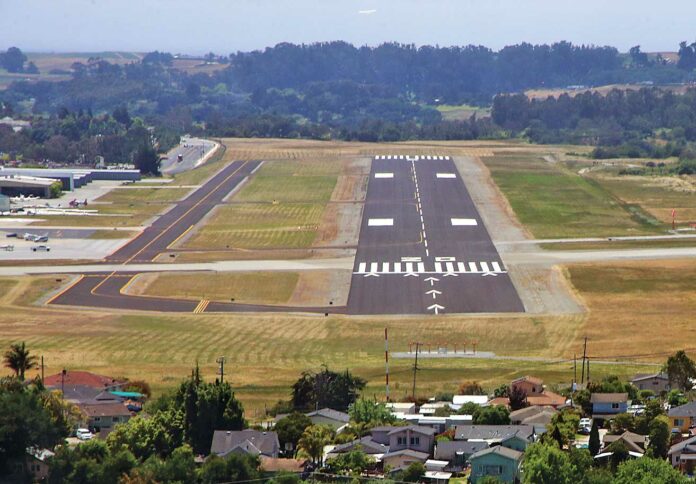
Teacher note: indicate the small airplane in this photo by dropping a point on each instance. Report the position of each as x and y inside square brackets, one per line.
[8, 247]
[36, 237]
[75, 203]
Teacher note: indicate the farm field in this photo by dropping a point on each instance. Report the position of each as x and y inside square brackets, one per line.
[553, 202]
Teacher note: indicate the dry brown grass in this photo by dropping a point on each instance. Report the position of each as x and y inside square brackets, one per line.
[603, 90]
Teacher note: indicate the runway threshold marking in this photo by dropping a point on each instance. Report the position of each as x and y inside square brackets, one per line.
[470, 222]
[70, 286]
[380, 222]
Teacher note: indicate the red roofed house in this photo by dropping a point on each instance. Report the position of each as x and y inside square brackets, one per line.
[82, 378]
[536, 393]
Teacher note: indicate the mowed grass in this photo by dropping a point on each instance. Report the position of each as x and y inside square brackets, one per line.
[622, 244]
[244, 288]
[281, 207]
[657, 195]
[259, 226]
[555, 203]
[643, 307]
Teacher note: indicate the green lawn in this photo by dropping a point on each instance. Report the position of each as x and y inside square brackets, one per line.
[555, 203]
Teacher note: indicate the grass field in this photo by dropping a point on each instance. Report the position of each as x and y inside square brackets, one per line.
[462, 112]
[622, 244]
[244, 288]
[555, 203]
[280, 207]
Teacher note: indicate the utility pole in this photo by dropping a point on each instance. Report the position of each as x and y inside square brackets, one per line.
[584, 357]
[386, 361]
[42, 369]
[575, 369]
[588, 369]
[221, 362]
[415, 370]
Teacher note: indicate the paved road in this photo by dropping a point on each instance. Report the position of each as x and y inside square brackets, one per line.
[193, 151]
[423, 247]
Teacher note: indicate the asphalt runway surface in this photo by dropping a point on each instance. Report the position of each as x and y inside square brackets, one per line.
[192, 150]
[423, 248]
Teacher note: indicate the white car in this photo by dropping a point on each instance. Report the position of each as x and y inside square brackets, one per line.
[585, 422]
[41, 248]
[84, 434]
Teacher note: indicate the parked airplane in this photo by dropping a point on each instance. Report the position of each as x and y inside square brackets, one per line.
[36, 237]
[8, 248]
[75, 203]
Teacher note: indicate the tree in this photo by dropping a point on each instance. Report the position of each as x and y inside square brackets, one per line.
[492, 415]
[146, 160]
[291, 428]
[623, 422]
[471, 388]
[18, 359]
[121, 115]
[648, 471]
[158, 434]
[368, 411]
[547, 464]
[13, 60]
[326, 389]
[594, 444]
[675, 398]
[502, 391]
[232, 468]
[681, 369]
[313, 440]
[413, 473]
[619, 453]
[563, 427]
[517, 397]
[354, 463]
[469, 408]
[179, 467]
[659, 435]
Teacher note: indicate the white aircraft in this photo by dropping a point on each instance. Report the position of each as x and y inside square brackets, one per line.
[8, 248]
[36, 237]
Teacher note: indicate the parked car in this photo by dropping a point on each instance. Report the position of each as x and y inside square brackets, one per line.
[84, 434]
[41, 248]
[585, 422]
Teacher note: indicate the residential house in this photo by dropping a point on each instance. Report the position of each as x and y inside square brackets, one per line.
[402, 407]
[435, 471]
[657, 382]
[633, 442]
[104, 416]
[431, 407]
[683, 455]
[457, 453]
[367, 444]
[607, 405]
[253, 442]
[327, 416]
[500, 462]
[459, 400]
[532, 415]
[407, 445]
[683, 417]
[516, 437]
[37, 463]
[537, 395]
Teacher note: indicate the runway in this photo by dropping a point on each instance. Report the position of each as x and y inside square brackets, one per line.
[423, 247]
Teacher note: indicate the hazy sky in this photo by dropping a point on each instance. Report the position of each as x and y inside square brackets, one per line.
[225, 26]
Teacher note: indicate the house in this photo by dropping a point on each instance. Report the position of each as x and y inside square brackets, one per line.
[330, 417]
[537, 395]
[435, 471]
[500, 462]
[367, 444]
[534, 415]
[633, 442]
[431, 407]
[607, 405]
[248, 441]
[683, 417]
[402, 407]
[657, 382]
[400, 459]
[683, 455]
[105, 416]
[37, 463]
[412, 437]
[82, 378]
[457, 453]
[459, 400]
[516, 437]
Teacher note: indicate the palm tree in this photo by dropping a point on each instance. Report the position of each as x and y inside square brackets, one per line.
[313, 440]
[18, 359]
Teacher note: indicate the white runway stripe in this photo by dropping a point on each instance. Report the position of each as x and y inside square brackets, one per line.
[438, 267]
[384, 175]
[380, 222]
[464, 222]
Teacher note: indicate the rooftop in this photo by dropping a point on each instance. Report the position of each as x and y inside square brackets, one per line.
[499, 450]
[609, 397]
[688, 410]
[85, 378]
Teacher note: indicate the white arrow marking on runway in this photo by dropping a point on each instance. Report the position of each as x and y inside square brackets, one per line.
[432, 280]
[371, 274]
[411, 274]
[450, 274]
[489, 274]
[434, 292]
[436, 308]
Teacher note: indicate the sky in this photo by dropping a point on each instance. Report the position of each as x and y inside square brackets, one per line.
[226, 26]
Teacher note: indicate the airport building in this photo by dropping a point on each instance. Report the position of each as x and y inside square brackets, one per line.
[15, 185]
[70, 178]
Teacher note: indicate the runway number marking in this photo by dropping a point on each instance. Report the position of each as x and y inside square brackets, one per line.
[380, 222]
[464, 222]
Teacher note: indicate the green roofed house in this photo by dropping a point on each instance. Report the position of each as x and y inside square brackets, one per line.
[500, 462]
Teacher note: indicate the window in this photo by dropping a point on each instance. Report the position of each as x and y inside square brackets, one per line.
[494, 470]
[678, 422]
[401, 441]
[415, 440]
[614, 406]
[97, 419]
